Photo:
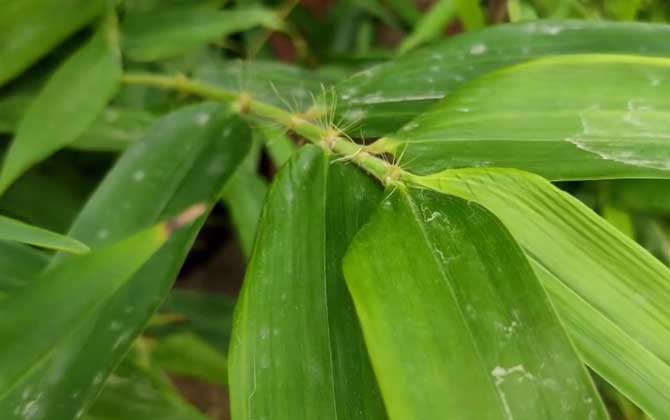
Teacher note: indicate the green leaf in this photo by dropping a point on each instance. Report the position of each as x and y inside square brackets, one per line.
[31, 28]
[431, 25]
[15, 230]
[115, 130]
[511, 118]
[186, 158]
[297, 352]
[175, 30]
[613, 296]
[32, 340]
[189, 355]
[456, 322]
[69, 103]
[389, 95]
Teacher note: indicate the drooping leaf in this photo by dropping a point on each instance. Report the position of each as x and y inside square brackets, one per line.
[517, 118]
[31, 340]
[296, 351]
[30, 28]
[613, 296]
[15, 230]
[186, 158]
[69, 103]
[176, 29]
[389, 95]
[455, 320]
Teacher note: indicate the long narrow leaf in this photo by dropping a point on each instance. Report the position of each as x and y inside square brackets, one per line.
[297, 352]
[14, 230]
[614, 296]
[69, 103]
[584, 130]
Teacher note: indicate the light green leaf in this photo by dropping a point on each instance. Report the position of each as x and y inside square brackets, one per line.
[31, 28]
[613, 296]
[584, 130]
[389, 95]
[69, 103]
[32, 340]
[431, 25]
[456, 323]
[297, 352]
[186, 158]
[15, 230]
[115, 130]
[174, 30]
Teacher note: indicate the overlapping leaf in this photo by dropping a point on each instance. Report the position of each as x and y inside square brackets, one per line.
[297, 352]
[455, 320]
[186, 158]
[32, 340]
[517, 117]
[612, 294]
[385, 97]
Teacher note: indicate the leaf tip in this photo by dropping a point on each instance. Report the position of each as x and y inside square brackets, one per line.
[187, 217]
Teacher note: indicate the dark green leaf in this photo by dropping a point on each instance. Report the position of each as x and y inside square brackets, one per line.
[189, 355]
[297, 352]
[18, 265]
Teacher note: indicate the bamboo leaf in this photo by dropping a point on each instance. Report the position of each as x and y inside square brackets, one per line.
[30, 28]
[583, 130]
[297, 352]
[186, 158]
[456, 322]
[65, 107]
[165, 33]
[613, 296]
[391, 94]
[31, 340]
[14, 230]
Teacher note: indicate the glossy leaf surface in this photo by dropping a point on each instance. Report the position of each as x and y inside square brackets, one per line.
[613, 295]
[297, 352]
[584, 130]
[389, 95]
[449, 304]
[186, 158]
[65, 107]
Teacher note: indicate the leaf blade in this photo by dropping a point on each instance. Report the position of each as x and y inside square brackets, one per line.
[14, 230]
[436, 281]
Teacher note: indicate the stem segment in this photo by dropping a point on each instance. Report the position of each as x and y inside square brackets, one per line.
[328, 138]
